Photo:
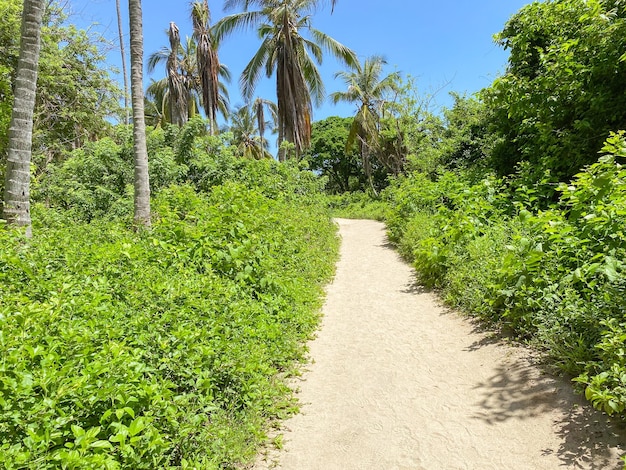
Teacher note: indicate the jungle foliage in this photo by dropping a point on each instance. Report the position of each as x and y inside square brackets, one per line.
[167, 348]
[516, 211]
[75, 94]
[160, 348]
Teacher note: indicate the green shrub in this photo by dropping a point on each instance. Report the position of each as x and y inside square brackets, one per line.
[356, 205]
[157, 349]
[551, 272]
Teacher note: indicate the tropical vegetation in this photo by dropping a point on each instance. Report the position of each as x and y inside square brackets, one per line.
[176, 268]
[290, 55]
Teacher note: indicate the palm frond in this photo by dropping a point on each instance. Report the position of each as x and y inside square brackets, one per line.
[157, 58]
[312, 77]
[334, 47]
[242, 4]
[252, 72]
[235, 22]
[314, 49]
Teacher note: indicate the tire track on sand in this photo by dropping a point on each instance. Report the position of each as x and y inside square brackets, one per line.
[399, 382]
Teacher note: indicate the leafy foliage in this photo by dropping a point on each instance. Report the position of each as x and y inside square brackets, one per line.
[75, 95]
[158, 349]
[554, 277]
[357, 205]
[563, 90]
[95, 181]
[328, 155]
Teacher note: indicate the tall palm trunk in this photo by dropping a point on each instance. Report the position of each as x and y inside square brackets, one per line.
[142, 182]
[120, 31]
[293, 96]
[207, 61]
[17, 180]
[367, 164]
[179, 98]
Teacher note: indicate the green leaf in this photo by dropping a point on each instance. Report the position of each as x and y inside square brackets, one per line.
[136, 426]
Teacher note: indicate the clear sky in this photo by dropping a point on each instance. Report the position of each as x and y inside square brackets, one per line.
[446, 45]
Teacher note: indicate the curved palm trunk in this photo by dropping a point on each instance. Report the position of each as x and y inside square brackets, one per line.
[120, 31]
[17, 180]
[142, 182]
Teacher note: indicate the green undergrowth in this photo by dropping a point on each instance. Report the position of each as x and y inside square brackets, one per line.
[543, 261]
[165, 348]
[356, 206]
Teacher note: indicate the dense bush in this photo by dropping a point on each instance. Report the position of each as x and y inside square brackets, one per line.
[356, 205]
[157, 349]
[554, 277]
[96, 181]
[562, 91]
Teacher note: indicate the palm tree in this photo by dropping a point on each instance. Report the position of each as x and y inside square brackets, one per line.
[244, 126]
[178, 89]
[258, 113]
[370, 92]
[16, 208]
[123, 54]
[142, 180]
[187, 81]
[292, 56]
[207, 61]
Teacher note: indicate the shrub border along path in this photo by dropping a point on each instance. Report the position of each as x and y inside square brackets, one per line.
[400, 382]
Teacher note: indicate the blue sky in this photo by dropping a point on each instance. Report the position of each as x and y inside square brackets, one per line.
[446, 45]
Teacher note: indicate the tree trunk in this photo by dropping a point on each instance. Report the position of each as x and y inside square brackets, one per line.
[142, 182]
[123, 53]
[17, 179]
[367, 164]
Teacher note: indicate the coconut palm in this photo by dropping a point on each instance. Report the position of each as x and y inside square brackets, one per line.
[155, 108]
[16, 208]
[184, 67]
[120, 32]
[207, 61]
[142, 181]
[291, 55]
[369, 90]
[258, 108]
[244, 126]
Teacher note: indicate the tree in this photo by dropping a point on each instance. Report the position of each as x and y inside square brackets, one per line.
[182, 76]
[207, 61]
[246, 137]
[120, 31]
[178, 92]
[285, 51]
[179, 85]
[463, 142]
[370, 91]
[258, 112]
[142, 181]
[16, 208]
[76, 96]
[563, 90]
[9, 52]
[328, 155]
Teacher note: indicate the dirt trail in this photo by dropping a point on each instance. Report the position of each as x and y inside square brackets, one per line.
[399, 382]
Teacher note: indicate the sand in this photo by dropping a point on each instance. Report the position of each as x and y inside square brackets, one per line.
[397, 381]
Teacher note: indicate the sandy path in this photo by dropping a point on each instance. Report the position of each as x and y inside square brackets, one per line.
[398, 382]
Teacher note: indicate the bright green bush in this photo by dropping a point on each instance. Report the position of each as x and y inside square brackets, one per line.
[96, 181]
[157, 349]
[356, 205]
[554, 277]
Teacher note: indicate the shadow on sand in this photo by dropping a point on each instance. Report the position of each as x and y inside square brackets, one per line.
[519, 390]
[522, 389]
